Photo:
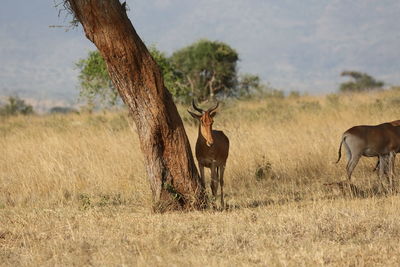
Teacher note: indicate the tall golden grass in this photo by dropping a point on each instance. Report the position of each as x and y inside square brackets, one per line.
[73, 190]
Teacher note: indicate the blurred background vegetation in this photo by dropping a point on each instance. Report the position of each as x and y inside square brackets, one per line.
[15, 106]
[205, 70]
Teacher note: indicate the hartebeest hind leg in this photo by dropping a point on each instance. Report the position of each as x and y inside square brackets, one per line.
[351, 164]
[382, 167]
[352, 145]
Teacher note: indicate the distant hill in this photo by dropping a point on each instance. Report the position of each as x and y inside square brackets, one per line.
[293, 45]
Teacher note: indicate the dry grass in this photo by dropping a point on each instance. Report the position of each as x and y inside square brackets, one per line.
[73, 191]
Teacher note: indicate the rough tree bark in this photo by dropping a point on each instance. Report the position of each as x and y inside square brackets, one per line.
[173, 176]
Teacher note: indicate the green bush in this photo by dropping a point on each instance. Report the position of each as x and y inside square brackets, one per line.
[15, 106]
[361, 82]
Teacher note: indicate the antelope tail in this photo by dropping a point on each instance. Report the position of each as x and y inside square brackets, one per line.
[340, 149]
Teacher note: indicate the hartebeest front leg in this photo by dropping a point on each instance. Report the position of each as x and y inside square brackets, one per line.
[202, 179]
[382, 163]
[221, 181]
[386, 169]
[214, 179]
[392, 157]
[393, 154]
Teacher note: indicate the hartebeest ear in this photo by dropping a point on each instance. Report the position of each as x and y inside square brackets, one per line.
[212, 114]
[194, 115]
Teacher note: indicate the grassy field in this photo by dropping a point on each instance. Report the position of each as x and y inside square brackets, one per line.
[73, 191]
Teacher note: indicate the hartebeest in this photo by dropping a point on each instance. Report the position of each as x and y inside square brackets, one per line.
[212, 149]
[394, 123]
[381, 141]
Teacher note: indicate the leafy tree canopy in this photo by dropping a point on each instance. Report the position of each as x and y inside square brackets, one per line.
[201, 70]
[207, 67]
[361, 82]
[173, 80]
[97, 89]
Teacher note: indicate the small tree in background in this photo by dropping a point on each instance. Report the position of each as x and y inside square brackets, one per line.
[248, 85]
[207, 67]
[97, 89]
[173, 79]
[15, 106]
[201, 70]
[361, 82]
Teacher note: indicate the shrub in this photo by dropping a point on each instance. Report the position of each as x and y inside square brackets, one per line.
[15, 106]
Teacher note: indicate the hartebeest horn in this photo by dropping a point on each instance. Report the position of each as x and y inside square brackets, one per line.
[212, 110]
[197, 108]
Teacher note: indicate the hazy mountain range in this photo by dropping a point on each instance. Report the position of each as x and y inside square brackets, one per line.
[293, 45]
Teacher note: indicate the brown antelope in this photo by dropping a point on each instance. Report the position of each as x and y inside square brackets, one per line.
[394, 123]
[381, 141]
[212, 149]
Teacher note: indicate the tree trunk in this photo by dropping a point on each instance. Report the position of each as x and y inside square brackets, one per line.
[170, 167]
[211, 87]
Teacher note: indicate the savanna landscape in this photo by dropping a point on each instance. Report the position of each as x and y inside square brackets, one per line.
[110, 111]
[74, 190]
